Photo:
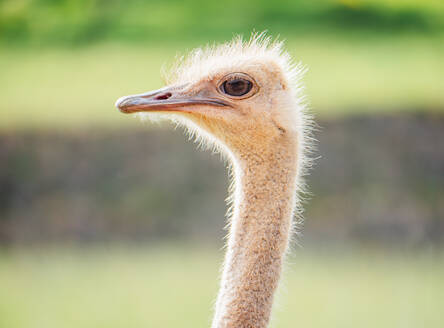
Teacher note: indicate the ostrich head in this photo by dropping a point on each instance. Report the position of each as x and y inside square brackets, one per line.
[244, 98]
[239, 96]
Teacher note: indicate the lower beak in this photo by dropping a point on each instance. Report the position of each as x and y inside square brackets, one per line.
[166, 99]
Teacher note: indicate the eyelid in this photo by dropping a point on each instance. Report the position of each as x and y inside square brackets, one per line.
[237, 76]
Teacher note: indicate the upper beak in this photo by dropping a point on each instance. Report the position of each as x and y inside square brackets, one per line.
[167, 99]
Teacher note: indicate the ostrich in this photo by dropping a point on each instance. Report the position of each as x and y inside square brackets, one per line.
[244, 99]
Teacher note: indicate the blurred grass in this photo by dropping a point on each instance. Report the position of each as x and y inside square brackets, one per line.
[175, 286]
[61, 88]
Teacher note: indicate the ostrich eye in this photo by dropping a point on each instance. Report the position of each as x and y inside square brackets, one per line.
[236, 87]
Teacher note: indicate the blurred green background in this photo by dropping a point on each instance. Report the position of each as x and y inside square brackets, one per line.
[108, 222]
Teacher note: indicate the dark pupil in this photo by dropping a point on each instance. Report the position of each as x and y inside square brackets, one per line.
[237, 87]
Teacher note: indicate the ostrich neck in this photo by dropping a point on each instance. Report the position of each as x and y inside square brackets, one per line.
[260, 226]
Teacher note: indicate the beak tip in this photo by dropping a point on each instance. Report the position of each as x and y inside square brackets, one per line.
[119, 102]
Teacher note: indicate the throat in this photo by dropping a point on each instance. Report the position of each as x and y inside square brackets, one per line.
[264, 201]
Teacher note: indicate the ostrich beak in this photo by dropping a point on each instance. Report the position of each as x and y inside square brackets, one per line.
[178, 99]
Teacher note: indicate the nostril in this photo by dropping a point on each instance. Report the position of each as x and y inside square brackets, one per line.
[163, 96]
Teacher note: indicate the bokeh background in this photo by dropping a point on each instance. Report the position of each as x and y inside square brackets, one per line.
[109, 222]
